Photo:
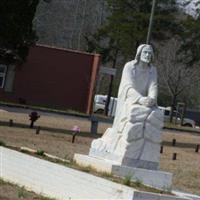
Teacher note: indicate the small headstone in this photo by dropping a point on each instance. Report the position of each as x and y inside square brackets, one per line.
[94, 125]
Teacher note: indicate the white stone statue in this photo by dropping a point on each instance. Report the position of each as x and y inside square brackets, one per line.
[135, 137]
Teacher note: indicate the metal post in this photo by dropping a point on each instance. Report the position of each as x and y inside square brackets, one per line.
[197, 148]
[151, 21]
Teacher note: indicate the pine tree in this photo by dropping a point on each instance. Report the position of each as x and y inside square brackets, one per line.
[127, 26]
[16, 32]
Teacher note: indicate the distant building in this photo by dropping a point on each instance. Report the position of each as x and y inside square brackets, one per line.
[52, 77]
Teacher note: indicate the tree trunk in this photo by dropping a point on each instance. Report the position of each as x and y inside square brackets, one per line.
[173, 107]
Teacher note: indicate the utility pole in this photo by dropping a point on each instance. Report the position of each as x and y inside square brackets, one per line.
[151, 22]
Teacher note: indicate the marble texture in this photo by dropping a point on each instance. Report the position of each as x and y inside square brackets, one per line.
[135, 137]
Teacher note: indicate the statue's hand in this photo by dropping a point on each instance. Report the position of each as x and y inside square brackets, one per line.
[144, 101]
[147, 101]
[152, 102]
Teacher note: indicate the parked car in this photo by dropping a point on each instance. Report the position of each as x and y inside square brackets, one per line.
[100, 103]
[186, 121]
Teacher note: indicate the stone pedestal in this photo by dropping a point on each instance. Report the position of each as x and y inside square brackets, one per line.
[153, 178]
[147, 161]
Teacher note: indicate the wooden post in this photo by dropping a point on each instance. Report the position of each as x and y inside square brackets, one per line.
[174, 142]
[10, 122]
[197, 148]
[73, 136]
[174, 156]
[38, 130]
[161, 149]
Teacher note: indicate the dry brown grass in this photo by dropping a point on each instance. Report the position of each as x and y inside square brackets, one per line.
[59, 122]
[13, 192]
[186, 169]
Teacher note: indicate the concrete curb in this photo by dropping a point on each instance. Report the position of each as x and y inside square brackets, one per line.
[57, 181]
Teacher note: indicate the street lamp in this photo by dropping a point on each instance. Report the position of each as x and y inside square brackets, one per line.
[151, 21]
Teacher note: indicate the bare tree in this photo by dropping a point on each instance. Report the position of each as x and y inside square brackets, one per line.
[65, 23]
[175, 76]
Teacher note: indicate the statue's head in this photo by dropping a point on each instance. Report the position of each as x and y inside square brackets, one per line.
[144, 53]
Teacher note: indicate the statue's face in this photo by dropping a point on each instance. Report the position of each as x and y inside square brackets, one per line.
[146, 54]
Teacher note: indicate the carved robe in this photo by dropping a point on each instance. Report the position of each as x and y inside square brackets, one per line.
[134, 139]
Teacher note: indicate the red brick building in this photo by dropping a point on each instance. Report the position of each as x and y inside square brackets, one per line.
[52, 77]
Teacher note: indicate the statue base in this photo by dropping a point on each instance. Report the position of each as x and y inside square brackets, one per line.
[153, 178]
[125, 160]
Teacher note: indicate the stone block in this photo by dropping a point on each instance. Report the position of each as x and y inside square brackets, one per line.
[153, 178]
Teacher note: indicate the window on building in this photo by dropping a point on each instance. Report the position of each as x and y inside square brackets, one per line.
[3, 69]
